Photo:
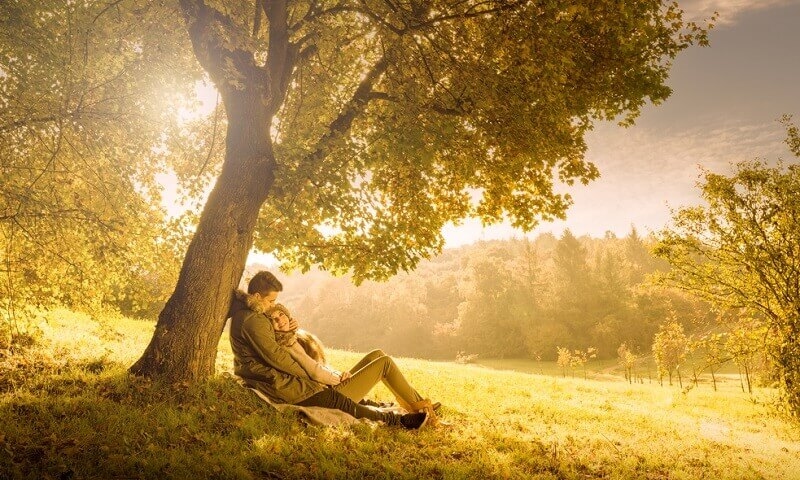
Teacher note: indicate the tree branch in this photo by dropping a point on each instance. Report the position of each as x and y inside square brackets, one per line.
[282, 53]
[471, 12]
[257, 18]
[355, 106]
[211, 33]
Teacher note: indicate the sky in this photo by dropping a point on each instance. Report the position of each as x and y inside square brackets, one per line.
[726, 102]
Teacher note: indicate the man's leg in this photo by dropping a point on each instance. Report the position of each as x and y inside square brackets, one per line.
[381, 369]
[330, 398]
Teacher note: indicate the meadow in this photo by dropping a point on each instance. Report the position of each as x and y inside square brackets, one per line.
[68, 409]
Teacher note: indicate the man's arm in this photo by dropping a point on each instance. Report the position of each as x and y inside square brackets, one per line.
[257, 329]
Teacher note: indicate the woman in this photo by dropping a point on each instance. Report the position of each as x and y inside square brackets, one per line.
[353, 384]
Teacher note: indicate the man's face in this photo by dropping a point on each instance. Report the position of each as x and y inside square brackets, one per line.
[270, 298]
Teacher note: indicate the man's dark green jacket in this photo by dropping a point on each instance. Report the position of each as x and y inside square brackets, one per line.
[260, 361]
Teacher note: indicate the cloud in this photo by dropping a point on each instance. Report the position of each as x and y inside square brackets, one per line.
[645, 172]
[729, 10]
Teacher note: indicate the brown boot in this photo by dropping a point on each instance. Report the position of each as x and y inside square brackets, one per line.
[427, 407]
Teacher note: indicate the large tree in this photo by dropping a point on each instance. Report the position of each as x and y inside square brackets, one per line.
[742, 251]
[357, 129]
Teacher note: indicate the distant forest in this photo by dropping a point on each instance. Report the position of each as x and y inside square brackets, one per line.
[516, 298]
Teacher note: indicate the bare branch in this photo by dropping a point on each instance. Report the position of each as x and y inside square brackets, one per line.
[471, 12]
[104, 10]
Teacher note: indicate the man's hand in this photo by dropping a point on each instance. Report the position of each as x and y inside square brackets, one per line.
[344, 376]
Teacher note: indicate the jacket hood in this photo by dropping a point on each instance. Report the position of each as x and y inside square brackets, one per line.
[242, 300]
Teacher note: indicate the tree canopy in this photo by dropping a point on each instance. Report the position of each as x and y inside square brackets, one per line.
[400, 117]
[82, 94]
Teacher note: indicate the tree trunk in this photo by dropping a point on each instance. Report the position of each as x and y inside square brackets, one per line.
[747, 377]
[789, 359]
[184, 345]
[741, 382]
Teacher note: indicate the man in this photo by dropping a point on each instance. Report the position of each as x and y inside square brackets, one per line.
[266, 366]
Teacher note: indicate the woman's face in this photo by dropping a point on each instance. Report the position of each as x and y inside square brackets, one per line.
[280, 321]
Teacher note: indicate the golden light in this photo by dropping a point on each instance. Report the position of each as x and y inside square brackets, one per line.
[207, 100]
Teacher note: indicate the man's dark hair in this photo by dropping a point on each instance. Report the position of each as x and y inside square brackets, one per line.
[264, 282]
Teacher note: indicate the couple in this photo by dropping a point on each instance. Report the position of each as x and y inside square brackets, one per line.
[269, 358]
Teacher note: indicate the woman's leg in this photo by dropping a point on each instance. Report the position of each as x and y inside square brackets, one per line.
[368, 358]
[381, 369]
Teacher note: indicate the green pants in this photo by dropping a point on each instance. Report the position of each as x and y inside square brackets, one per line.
[376, 367]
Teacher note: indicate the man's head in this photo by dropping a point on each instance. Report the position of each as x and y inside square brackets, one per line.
[265, 287]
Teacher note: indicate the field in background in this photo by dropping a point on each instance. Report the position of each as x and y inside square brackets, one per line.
[727, 376]
[69, 410]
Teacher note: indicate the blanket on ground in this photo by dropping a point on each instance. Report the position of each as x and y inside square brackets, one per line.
[313, 415]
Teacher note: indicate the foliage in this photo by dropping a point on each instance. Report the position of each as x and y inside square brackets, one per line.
[745, 344]
[404, 117]
[740, 251]
[489, 319]
[499, 299]
[627, 361]
[463, 358]
[670, 347]
[72, 411]
[564, 359]
[714, 351]
[792, 135]
[574, 359]
[82, 95]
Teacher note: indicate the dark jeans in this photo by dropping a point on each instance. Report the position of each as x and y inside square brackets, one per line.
[330, 398]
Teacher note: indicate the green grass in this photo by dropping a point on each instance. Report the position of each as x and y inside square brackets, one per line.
[68, 409]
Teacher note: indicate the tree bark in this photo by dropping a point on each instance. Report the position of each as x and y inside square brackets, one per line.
[184, 345]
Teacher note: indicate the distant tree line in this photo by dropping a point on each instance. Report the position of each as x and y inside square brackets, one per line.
[515, 298]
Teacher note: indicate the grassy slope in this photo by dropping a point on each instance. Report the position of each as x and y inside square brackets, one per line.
[71, 411]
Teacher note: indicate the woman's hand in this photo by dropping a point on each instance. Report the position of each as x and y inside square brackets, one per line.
[292, 324]
[344, 376]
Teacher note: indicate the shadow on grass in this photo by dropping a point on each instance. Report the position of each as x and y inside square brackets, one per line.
[93, 420]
